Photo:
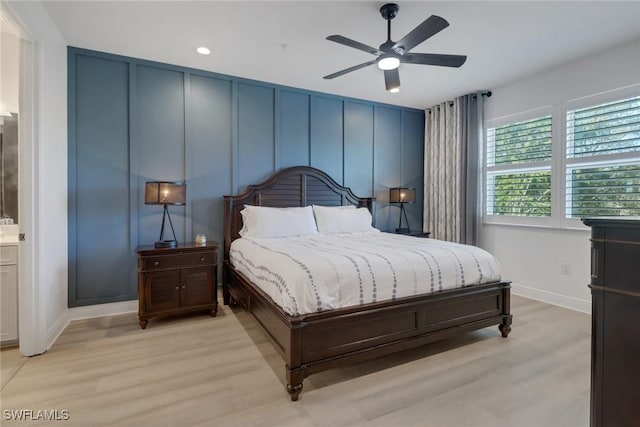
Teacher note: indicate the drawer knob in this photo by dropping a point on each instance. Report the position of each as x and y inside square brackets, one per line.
[184, 286]
[157, 263]
[202, 259]
[177, 288]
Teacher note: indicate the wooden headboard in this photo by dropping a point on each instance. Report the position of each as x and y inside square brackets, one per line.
[297, 186]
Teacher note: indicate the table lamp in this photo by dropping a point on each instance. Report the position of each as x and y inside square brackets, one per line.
[165, 193]
[402, 195]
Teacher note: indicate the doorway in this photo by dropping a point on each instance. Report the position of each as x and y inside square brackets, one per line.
[9, 180]
[18, 92]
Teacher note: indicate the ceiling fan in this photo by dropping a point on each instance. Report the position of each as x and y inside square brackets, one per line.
[390, 54]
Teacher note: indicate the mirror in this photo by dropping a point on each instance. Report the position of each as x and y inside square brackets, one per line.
[8, 168]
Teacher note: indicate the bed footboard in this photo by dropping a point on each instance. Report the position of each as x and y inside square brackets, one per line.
[319, 341]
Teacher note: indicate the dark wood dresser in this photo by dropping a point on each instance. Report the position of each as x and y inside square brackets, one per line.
[176, 280]
[615, 331]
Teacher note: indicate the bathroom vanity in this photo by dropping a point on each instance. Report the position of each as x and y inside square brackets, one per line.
[8, 285]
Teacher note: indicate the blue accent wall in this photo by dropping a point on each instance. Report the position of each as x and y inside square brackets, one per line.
[326, 136]
[132, 121]
[293, 114]
[387, 163]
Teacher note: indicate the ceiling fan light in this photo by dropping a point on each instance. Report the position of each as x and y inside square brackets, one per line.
[388, 62]
[392, 81]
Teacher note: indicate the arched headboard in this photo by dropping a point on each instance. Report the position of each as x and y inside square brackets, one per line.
[291, 187]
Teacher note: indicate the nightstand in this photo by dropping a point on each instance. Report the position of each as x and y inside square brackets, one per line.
[424, 234]
[177, 280]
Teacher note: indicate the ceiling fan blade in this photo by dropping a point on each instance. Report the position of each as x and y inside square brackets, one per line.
[352, 43]
[392, 79]
[434, 59]
[350, 69]
[432, 25]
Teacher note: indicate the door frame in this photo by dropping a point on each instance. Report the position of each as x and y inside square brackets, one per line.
[29, 322]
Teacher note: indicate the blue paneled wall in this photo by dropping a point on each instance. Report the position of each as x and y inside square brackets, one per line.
[132, 121]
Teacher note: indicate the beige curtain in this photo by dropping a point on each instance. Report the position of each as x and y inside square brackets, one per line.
[452, 178]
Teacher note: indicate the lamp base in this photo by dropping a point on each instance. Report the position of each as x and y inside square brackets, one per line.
[166, 244]
[402, 231]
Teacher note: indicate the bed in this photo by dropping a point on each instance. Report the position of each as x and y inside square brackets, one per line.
[310, 342]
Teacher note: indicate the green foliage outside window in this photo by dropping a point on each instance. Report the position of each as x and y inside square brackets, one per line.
[523, 142]
[522, 194]
[526, 193]
[608, 191]
[605, 129]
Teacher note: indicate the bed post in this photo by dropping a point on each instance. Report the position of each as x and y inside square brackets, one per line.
[228, 218]
[296, 371]
[294, 382]
[505, 326]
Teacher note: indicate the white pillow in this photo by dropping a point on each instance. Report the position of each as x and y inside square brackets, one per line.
[261, 221]
[331, 220]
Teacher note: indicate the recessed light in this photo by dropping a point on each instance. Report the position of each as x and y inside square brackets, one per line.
[203, 50]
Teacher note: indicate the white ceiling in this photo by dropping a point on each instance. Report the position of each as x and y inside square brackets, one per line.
[284, 42]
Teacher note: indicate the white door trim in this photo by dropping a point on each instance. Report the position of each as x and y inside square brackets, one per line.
[29, 319]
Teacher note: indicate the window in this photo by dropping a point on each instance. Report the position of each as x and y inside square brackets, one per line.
[557, 164]
[519, 168]
[603, 160]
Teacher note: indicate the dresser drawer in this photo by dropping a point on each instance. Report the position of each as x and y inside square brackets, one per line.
[8, 255]
[179, 260]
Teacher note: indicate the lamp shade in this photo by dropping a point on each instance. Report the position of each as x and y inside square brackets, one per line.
[402, 195]
[165, 193]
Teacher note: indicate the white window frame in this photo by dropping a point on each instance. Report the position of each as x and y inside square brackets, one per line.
[616, 159]
[559, 161]
[521, 167]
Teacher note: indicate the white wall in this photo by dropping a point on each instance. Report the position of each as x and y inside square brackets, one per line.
[553, 264]
[44, 313]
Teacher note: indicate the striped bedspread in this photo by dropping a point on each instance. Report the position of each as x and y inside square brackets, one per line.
[315, 273]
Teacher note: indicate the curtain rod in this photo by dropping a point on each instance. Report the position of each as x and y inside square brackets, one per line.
[487, 94]
[474, 96]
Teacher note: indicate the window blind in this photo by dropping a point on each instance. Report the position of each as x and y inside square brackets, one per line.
[603, 160]
[519, 168]
[604, 129]
[520, 194]
[522, 142]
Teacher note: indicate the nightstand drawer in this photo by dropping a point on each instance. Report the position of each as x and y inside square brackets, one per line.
[179, 260]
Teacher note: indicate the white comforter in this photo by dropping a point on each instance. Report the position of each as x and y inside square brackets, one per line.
[315, 273]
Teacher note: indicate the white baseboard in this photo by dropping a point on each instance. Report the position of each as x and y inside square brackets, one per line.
[552, 298]
[99, 310]
[87, 312]
[58, 328]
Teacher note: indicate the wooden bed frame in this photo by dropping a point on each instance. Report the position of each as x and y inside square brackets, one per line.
[314, 342]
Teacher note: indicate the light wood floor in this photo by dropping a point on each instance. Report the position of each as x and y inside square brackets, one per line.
[203, 371]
